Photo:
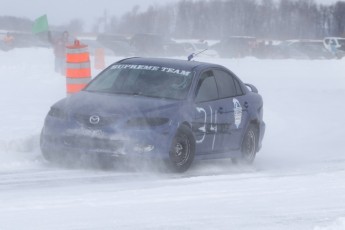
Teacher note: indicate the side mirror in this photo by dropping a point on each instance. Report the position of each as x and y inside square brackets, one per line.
[252, 88]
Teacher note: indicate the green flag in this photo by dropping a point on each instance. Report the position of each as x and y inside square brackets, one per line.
[40, 25]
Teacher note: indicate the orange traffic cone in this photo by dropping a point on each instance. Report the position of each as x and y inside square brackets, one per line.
[78, 71]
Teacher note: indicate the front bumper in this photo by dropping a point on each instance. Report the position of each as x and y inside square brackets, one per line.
[128, 145]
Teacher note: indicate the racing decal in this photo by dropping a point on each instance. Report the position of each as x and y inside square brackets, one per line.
[153, 68]
[205, 128]
[202, 128]
[237, 112]
[213, 128]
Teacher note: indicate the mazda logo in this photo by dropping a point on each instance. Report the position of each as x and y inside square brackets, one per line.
[94, 119]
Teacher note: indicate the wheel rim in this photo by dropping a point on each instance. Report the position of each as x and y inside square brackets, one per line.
[249, 147]
[181, 150]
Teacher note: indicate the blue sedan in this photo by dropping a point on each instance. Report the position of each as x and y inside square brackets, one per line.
[155, 108]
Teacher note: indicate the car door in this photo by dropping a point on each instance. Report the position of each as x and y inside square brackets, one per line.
[233, 111]
[205, 121]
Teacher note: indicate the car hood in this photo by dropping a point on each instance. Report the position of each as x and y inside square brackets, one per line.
[91, 103]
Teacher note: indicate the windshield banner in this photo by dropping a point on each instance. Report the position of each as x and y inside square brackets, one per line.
[152, 68]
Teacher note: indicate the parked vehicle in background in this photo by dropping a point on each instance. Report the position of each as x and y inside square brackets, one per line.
[120, 45]
[264, 48]
[175, 49]
[148, 45]
[236, 46]
[199, 47]
[185, 48]
[18, 39]
[94, 44]
[335, 45]
[302, 49]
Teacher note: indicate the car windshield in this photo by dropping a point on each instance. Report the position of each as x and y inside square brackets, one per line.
[145, 80]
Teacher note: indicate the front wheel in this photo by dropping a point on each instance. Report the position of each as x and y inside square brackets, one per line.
[182, 150]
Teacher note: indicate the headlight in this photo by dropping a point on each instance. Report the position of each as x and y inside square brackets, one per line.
[147, 121]
[56, 112]
[143, 148]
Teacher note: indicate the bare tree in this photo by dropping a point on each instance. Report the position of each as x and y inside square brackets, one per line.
[339, 17]
[283, 19]
[75, 26]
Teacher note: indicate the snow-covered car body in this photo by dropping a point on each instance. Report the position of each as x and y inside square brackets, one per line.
[155, 107]
[302, 49]
[236, 46]
[200, 48]
[185, 48]
[338, 42]
[336, 45]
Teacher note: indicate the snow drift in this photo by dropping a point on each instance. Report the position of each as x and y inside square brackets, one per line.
[295, 183]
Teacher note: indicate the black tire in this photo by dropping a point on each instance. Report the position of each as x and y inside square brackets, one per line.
[248, 147]
[182, 150]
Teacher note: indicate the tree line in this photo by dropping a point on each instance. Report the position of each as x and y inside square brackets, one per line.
[15, 23]
[214, 19]
[19, 24]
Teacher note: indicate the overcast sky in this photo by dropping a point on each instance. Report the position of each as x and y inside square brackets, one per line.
[62, 11]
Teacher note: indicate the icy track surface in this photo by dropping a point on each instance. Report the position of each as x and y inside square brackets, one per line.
[297, 181]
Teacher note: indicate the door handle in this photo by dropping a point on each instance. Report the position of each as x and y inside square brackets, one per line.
[246, 104]
[220, 110]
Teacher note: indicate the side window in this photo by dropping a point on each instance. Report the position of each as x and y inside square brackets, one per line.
[226, 84]
[239, 91]
[207, 88]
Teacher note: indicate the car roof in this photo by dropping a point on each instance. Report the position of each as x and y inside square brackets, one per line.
[166, 62]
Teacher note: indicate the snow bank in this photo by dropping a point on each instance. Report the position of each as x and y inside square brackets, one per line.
[303, 105]
[337, 225]
[28, 87]
[295, 183]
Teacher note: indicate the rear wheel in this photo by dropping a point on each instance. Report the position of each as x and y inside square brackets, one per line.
[249, 146]
[182, 150]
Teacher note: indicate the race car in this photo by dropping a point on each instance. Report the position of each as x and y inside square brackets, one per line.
[169, 110]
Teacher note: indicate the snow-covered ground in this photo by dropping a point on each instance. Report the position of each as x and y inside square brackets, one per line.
[297, 181]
